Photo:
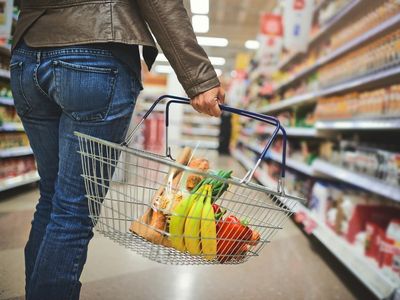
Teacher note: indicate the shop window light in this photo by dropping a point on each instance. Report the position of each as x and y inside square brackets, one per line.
[163, 69]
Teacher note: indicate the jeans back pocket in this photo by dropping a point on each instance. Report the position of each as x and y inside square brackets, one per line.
[84, 92]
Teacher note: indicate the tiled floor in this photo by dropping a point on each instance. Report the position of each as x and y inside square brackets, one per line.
[293, 266]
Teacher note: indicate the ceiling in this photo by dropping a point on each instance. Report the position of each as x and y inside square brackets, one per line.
[235, 20]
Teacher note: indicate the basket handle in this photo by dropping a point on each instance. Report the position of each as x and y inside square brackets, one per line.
[256, 116]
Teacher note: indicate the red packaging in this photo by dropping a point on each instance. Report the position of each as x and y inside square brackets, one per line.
[379, 215]
[375, 234]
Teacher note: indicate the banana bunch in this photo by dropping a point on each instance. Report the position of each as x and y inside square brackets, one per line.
[192, 224]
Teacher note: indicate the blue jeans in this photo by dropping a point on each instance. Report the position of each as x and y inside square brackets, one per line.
[58, 91]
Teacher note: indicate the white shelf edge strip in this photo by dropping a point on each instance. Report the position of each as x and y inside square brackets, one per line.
[309, 97]
[378, 124]
[371, 184]
[9, 183]
[359, 265]
[277, 157]
[4, 73]
[17, 151]
[6, 101]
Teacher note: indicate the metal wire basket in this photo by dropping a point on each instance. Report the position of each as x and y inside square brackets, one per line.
[123, 184]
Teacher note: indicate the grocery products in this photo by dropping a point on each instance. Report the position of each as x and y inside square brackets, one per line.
[12, 167]
[188, 219]
[13, 139]
[375, 103]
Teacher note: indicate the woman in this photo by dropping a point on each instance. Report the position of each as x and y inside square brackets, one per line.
[75, 66]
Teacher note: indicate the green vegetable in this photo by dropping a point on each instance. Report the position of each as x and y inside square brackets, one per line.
[218, 187]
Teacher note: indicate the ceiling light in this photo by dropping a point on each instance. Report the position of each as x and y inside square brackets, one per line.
[218, 71]
[161, 57]
[163, 69]
[200, 23]
[217, 61]
[200, 6]
[212, 41]
[252, 44]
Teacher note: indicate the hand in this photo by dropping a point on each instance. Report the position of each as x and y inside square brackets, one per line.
[207, 102]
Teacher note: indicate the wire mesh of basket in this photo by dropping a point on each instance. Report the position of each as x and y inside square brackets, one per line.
[125, 186]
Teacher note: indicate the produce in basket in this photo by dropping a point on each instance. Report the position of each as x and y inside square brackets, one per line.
[208, 229]
[178, 219]
[200, 164]
[154, 222]
[193, 224]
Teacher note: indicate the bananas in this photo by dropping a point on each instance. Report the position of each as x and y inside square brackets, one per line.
[192, 224]
[178, 218]
[208, 229]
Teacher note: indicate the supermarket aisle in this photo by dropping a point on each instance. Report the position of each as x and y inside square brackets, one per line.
[292, 267]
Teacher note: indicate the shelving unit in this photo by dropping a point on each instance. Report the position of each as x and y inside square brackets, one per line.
[343, 13]
[9, 183]
[368, 183]
[394, 21]
[291, 163]
[327, 134]
[372, 124]
[8, 128]
[6, 101]
[342, 87]
[365, 269]
[4, 74]
[17, 151]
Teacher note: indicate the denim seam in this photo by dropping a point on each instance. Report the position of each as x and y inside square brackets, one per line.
[111, 96]
[22, 90]
[85, 68]
[51, 53]
[35, 79]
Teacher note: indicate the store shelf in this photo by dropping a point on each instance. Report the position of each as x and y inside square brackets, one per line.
[344, 12]
[339, 16]
[9, 183]
[277, 157]
[345, 48]
[364, 268]
[5, 50]
[368, 183]
[201, 131]
[4, 73]
[372, 124]
[348, 85]
[17, 151]
[6, 101]
[296, 131]
[11, 127]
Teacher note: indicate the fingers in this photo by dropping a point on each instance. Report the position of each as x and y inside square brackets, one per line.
[221, 95]
[208, 102]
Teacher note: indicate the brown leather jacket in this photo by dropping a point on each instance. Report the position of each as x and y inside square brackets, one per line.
[49, 23]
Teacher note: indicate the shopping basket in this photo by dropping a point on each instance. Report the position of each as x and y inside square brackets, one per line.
[117, 202]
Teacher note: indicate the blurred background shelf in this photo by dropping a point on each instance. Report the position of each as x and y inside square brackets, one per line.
[9, 183]
[17, 151]
[368, 183]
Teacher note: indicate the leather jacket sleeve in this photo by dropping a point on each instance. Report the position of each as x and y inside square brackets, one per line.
[169, 22]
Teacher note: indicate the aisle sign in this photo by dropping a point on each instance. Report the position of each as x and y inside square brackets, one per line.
[297, 18]
[270, 38]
